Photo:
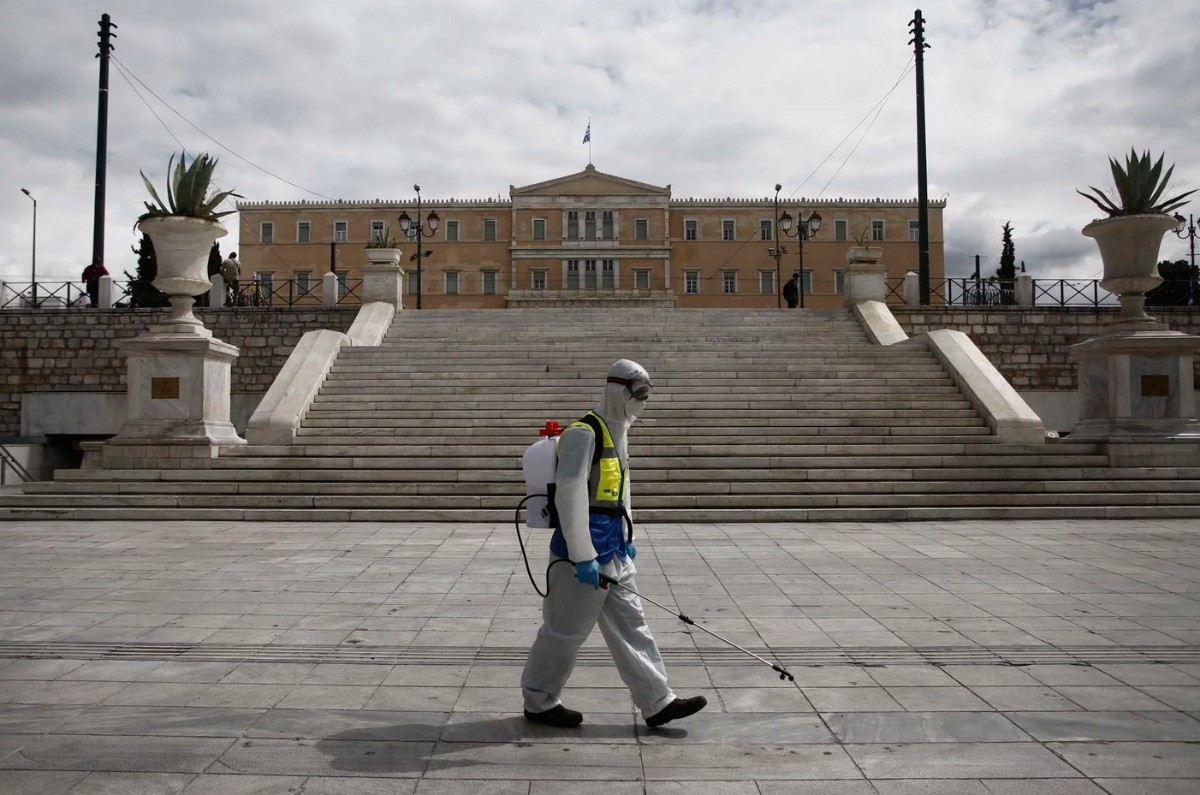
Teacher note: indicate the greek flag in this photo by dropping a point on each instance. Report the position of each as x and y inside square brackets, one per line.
[587, 136]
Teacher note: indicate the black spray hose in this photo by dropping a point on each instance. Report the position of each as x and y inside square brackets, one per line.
[606, 581]
[779, 669]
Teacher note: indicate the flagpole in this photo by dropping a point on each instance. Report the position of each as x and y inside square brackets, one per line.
[589, 140]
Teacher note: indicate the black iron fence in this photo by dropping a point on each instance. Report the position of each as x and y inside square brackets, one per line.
[1046, 293]
[69, 295]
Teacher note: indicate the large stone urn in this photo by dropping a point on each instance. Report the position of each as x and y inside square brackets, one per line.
[1129, 250]
[866, 278]
[177, 394]
[383, 278]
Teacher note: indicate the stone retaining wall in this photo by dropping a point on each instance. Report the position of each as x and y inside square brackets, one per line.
[1030, 345]
[75, 350]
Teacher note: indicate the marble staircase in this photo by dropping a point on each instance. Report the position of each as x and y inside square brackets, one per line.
[757, 416]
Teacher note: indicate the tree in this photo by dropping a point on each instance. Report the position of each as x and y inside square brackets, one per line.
[1179, 287]
[142, 292]
[1006, 274]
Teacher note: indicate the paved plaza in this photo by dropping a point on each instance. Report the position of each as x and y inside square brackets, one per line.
[964, 658]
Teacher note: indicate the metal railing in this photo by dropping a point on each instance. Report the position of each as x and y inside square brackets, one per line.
[8, 461]
[1047, 293]
[68, 295]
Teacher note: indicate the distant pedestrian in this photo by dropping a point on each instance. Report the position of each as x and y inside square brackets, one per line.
[231, 272]
[791, 291]
[91, 280]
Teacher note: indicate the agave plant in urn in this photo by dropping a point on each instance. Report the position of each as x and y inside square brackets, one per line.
[1129, 238]
[183, 230]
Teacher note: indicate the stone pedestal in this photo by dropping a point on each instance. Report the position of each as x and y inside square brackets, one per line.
[1137, 383]
[383, 278]
[865, 276]
[177, 401]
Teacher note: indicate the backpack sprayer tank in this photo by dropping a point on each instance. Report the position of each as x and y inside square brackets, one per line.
[539, 464]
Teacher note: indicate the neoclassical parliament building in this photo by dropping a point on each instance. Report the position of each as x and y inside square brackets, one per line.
[587, 236]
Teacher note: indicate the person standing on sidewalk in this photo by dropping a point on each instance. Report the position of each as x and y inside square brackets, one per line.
[592, 502]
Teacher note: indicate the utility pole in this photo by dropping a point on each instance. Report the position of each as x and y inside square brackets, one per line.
[106, 36]
[919, 45]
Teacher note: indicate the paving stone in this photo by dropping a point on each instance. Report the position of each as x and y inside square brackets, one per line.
[847, 699]
[958, 760]
[36, 782]
[923, 727]
[325, 758]
[729, 762]
[476, 727]
[1120, 697]
[1094, 726]
[160, 721]
[1131, 759]
[117, 754]
[132, 784]
[428, 787]
[340, 724]
[206, 784]
[1010, 699]
[1148, 786]
[35, 718]
[739, 729]
[536, 761]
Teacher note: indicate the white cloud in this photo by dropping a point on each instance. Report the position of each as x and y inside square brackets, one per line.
[1025, 100]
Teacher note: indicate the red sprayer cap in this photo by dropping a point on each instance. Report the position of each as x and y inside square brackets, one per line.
[551, 429]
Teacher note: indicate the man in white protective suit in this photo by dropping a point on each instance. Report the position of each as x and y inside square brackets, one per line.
[592, 497]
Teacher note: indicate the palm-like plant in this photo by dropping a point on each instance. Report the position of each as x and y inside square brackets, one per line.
[1140, 186]
[188, 191]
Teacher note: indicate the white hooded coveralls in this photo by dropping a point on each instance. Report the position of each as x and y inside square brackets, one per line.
[571, 609]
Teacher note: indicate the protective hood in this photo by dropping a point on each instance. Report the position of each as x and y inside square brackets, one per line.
[618, 407]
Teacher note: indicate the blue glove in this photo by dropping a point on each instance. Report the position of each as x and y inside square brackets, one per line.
[631, 550]
[588, 573]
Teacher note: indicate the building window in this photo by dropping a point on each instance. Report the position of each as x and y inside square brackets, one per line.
[729, 281]
[377, 231]
[691, 282]
[839, 282]
[764, 230]
[451, 282]
[572, 224]
[641, 229]
[451, 231]
[340, 231]
[727, 232]
[303, 282]
[266, 283]
[608, 232]
[341, 282]
[589, 274]
[806, 281]
[266, 232]
[539, 228]
[489, 228]
[539, 280]
[839, 230]
[589, 224]
[914, 231]
[877, 230]
[303, 232]
[489, 282]
[572, 274]
[690, 229]
[608, 274]
[766, 282]
[641, 279]
[414, 282]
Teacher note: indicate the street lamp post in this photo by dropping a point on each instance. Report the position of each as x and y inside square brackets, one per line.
[415, 230]
[804, 230]
[778, 251]
[1188, 233]
[33, 257]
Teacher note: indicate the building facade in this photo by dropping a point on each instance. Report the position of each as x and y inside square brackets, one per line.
[588, 236]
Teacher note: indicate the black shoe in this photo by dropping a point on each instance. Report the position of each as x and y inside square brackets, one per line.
[679, 708]
[559, 716]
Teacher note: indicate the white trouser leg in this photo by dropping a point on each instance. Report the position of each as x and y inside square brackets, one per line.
[569, 613]
[630, 642]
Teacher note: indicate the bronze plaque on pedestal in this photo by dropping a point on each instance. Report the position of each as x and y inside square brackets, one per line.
[164, 388]
[1156, 386]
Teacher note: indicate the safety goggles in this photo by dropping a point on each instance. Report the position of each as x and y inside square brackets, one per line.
[638, 390]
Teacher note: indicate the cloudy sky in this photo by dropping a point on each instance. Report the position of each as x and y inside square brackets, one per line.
[359, 99]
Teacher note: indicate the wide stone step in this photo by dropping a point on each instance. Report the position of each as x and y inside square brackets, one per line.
[403, 423]
[315, 441]
[665, 413]
[648, 492]
[649, 434]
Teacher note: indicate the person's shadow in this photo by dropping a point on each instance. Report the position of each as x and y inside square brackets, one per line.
[436, 741]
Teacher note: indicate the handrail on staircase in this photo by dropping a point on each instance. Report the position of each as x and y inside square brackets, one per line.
[8, 460]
